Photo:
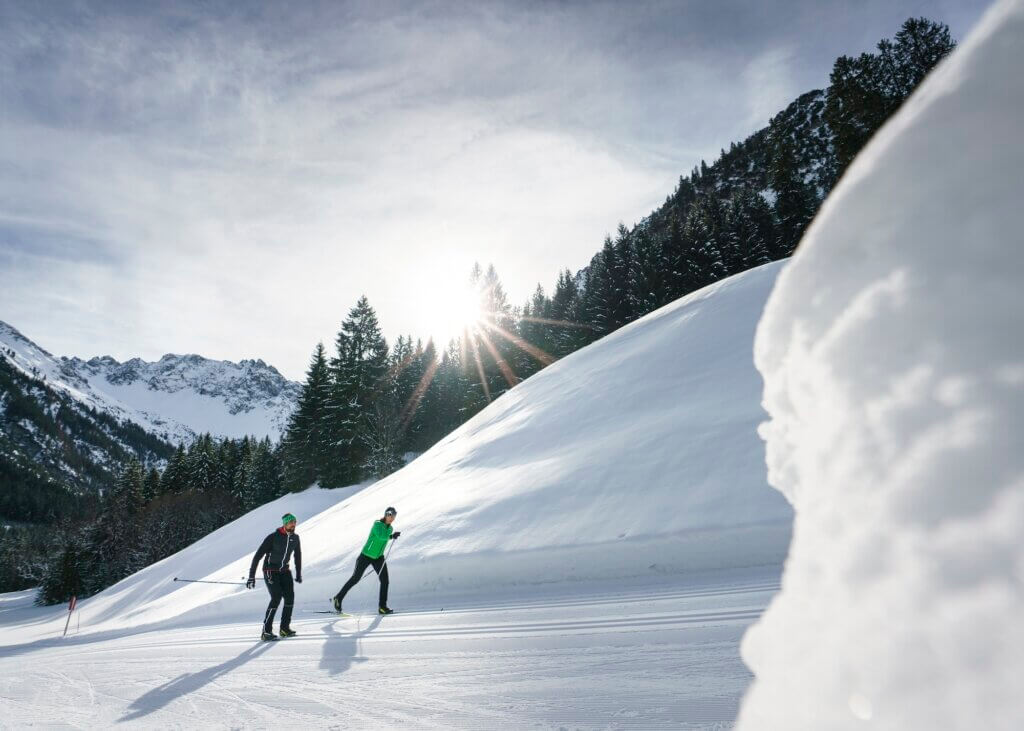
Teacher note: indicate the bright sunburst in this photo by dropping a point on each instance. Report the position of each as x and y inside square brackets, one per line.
[452, 310]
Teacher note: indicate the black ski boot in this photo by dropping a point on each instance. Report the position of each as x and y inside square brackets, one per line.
[336, 603]
[287, 632]
[268, 637]
[385, 610]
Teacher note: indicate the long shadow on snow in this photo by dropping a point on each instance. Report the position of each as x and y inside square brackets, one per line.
[340, 648]
[186, 683]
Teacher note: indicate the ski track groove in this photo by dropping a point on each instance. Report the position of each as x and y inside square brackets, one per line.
[429, 669]
[652, 623]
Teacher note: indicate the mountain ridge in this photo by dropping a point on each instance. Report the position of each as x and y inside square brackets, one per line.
[139, 390]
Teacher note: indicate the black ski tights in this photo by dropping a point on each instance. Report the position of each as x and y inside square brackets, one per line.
[279, 584]
[379, 566]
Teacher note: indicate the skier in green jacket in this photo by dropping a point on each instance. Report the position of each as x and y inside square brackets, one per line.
[373, 555]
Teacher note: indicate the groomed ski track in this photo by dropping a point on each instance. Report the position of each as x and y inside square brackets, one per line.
[644, 656]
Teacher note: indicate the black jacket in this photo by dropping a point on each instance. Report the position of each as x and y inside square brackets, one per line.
[278, 548]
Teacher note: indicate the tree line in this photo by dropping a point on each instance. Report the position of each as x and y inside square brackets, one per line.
[149, 515]
[365, 405]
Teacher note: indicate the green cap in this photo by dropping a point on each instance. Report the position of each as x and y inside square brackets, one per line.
[287, 518]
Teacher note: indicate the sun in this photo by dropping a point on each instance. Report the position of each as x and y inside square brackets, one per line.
[451, 311]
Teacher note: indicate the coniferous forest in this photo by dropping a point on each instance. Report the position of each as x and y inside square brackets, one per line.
[366, 404]
[363, 405]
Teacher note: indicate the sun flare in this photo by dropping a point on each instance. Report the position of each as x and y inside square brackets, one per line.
[453, 310]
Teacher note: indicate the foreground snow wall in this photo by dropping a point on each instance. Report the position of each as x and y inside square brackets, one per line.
[893, 356]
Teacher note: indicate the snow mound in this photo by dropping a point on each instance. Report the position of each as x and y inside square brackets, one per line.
[893, 356]
[637, 456]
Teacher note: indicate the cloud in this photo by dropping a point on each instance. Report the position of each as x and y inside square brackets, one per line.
[229, 179]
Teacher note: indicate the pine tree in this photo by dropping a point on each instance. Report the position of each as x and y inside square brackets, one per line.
[127, 496]
[227, 465]
[263, 478]
[489, 347]
[750, 231]
[151, 487]
[795, 201]
[647, 285]
[304, 445]
[240, 486]
[705, 229]
[565, 306]
[174, 479]
[619, 262]
[675, 260]
[599, 303]
[64, 575]
[201, 465]
[865, 91]
[356, 373]
[380, 434]
[415, 419]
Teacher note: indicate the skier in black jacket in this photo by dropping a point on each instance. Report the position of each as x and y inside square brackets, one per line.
[278, 548]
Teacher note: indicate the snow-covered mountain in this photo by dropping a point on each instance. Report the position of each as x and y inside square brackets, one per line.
[175, 398]
[55, 449]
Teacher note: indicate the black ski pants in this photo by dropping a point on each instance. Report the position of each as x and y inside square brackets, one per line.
[280, 586]
[379, 566]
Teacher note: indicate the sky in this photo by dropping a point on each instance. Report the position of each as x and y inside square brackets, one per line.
[228, 179]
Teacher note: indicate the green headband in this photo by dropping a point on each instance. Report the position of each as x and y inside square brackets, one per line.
[287, 518]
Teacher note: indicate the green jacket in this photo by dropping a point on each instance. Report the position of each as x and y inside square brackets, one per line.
[379, 535]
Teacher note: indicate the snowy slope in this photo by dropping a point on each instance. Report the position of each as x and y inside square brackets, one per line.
[636, 456]
[175, 398]
[568, 555]
[893, 356]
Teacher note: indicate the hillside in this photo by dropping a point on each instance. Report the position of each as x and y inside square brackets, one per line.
[618, 496]
[551, 483]
[56, 450]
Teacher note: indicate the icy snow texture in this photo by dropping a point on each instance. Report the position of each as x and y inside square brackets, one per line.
[893, 356]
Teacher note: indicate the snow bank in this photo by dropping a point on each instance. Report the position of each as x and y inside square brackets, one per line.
[893, 356]
[637, 456]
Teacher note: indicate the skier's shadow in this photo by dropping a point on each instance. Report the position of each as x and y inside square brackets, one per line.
[341, 648]
[186, 683]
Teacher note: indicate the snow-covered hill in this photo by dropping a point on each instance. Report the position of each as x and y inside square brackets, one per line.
[635, 456]
[175, 398]
[618, 480]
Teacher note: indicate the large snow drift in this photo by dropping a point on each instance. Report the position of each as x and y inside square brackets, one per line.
[635, 457]
[893, 356]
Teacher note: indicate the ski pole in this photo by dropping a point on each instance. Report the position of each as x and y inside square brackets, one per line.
[201, 581]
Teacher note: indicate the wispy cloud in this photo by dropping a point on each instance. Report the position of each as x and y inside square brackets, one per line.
[228, 179]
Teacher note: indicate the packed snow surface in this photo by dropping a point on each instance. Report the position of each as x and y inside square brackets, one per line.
[893, 357]
[598, 537]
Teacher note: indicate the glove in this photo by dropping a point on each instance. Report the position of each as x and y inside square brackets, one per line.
[251, 583]
[298, 579]
[396, 534]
